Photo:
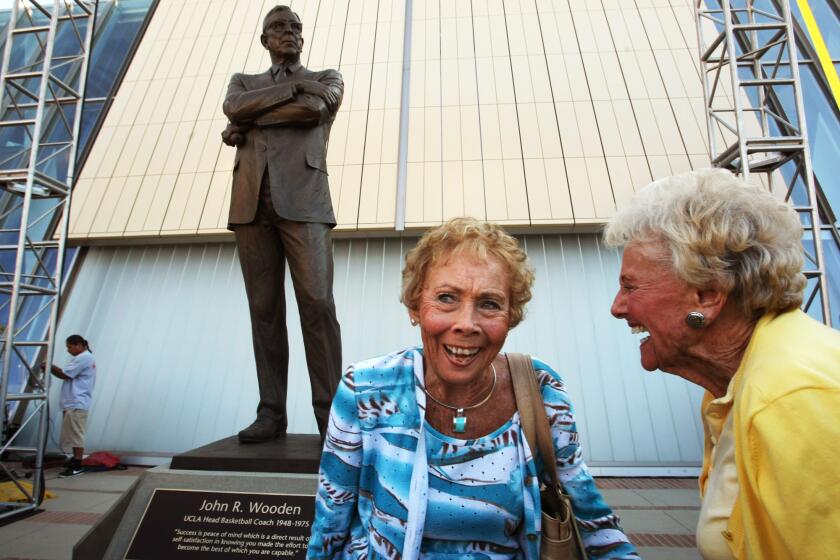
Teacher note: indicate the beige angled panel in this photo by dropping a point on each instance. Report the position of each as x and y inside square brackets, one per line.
[107, 206]
[118, 139]
[81, 191]
[528, 112]
[529, 131]
[494, 185]
[95, 192]
[137, 216]
[608, 128]
[452, 177]
[646, 120]
[470, 127]
[668, 129]
[215, 212]
[539, 203]
[124, 206]
[639, 172]
[347, 205]
[558, 192]
[432, 192]
[202, 182]
[134, 139]
[689, 128]
[603, 197]
[516, 193]
[414, 192]
[550, 144]
[163, 196]
[621, 179]
[387, 199]
[474, 192]
[580, 193]
[628, 128]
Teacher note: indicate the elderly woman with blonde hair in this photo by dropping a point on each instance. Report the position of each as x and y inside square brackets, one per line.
[425, 455]
[712, 274]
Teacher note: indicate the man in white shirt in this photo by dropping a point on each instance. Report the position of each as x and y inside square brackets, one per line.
[79, 376]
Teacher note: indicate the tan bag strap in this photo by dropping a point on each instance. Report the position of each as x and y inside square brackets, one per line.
[532, 413]
[535, 426]
[521, 369]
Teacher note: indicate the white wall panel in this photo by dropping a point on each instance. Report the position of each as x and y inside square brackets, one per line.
[170, 331]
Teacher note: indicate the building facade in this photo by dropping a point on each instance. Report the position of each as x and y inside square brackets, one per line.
[544, 116]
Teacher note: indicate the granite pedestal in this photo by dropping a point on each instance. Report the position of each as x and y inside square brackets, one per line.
[293, 453]
[287, 465]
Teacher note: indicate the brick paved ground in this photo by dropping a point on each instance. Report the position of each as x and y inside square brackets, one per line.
[659, 514]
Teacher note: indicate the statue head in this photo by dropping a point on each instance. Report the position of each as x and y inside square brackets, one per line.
[282, 35]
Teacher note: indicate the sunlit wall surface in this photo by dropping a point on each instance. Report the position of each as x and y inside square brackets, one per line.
[117, 28]
[524, 112]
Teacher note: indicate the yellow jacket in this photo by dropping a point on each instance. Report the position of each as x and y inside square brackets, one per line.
[787, 442]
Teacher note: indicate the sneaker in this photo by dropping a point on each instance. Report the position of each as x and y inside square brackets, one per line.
[73, 468]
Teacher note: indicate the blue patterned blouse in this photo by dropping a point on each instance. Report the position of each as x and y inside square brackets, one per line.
[475, 494]
[380, 486]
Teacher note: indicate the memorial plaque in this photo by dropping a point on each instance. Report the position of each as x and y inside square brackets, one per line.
[185, 524]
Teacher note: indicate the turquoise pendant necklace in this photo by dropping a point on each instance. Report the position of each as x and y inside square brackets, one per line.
[459, 422]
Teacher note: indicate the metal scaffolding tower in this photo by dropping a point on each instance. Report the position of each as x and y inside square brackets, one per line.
[42, 88]
[749, 66]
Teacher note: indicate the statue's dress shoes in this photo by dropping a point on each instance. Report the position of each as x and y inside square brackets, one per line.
[263, 429]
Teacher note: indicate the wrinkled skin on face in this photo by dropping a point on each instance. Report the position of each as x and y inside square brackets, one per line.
[652, 299]
[282, 37]
[464, 318]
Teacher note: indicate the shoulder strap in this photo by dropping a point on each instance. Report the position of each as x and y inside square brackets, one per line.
[554, 500]
[532, 412]
[520, 369]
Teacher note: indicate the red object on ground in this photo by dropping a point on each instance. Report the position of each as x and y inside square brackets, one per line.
[101, 459]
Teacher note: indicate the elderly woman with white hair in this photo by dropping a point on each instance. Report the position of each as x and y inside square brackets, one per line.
[712, 273]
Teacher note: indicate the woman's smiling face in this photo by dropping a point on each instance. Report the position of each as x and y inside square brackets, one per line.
[464, 317]
[654, 301]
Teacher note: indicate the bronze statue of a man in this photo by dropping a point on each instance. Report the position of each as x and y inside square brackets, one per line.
[280, 210]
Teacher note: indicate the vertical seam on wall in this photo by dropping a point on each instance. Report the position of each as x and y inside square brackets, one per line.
[343, 36]
[594, 116]
[704, 129]
[209, 330]
[518, 127]
[181, 165]
[554, 109]
[93, 139]
[478, 110]
[81, 156]
[218, 153]
[627, 408]
[440, 103]
[405, 98]
[367, 117]
[314, 27]
[344, 156]
[627, 89]
[586, 275]
[667, 96]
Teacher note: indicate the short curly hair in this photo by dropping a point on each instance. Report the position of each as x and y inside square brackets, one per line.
[718, 231]
[474, 237]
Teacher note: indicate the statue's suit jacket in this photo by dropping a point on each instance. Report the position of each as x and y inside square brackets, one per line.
[286, 138]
